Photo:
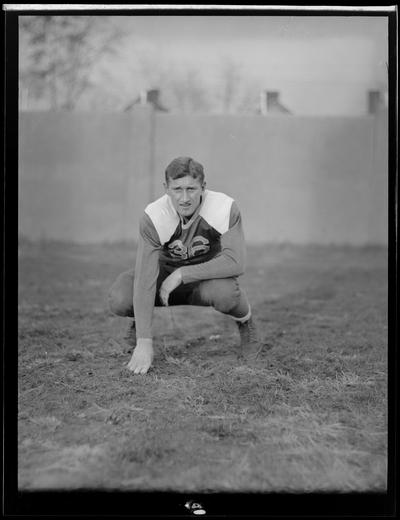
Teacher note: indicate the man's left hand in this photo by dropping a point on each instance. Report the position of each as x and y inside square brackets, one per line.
[169, 284]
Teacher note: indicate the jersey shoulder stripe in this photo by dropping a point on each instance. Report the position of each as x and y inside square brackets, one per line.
[164, 217]
[216, 210]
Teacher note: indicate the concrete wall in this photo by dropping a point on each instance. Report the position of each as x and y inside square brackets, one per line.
[82, 177]
[87, 177]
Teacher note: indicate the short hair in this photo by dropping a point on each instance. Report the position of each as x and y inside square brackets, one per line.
[183, 166]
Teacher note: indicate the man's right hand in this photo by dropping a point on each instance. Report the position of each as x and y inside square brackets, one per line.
[142, 356]
[169, 284]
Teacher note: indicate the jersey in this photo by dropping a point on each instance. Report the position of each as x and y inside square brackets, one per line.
[209, 245]
[195, 241]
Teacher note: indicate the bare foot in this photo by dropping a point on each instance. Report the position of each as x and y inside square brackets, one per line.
[142, 357]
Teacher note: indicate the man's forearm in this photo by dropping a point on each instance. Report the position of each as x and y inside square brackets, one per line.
[222, 266]
[230, 262]
[143, 303]
[144, 290]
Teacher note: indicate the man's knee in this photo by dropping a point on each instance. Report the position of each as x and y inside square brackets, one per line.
[222, 293]
[120, 295]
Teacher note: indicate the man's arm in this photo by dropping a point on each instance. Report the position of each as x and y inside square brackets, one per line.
[229, 262]
[146, 274]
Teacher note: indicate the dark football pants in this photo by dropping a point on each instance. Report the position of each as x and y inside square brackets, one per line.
[224, 294]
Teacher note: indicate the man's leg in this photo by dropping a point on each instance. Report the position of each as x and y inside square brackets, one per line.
[120, 301]
[120, 295]
[226, 296]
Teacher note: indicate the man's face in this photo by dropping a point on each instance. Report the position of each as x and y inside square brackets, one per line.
[185, 194]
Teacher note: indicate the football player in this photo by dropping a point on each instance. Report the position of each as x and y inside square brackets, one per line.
[191, 251]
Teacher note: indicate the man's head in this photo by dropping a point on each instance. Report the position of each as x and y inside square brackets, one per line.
[184, 183]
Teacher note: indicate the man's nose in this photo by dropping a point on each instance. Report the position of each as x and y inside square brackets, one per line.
[185, 196]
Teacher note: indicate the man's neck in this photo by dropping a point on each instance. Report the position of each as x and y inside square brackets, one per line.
[185, 220]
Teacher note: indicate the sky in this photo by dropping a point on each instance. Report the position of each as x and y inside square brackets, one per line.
[252, 27]
[309, 59]
[288, 53]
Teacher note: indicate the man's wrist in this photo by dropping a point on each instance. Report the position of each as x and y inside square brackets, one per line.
[179, 273]
[144, 342]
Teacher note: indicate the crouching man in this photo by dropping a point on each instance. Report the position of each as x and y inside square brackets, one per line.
[190, 252]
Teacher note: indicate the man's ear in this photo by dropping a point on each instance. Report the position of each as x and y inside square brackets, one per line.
[165, 186]
[204, 185]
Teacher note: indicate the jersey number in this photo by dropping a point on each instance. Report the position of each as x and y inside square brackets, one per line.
[198, 246]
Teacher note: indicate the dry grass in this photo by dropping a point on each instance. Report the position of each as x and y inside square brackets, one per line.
[311, 416]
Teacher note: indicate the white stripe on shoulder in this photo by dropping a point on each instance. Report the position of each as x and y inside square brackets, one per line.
[163, 216]
[216, 210]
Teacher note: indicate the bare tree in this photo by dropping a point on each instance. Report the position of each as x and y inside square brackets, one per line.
[59, 53]
[188, 91]
[152, 67]
[230, 85]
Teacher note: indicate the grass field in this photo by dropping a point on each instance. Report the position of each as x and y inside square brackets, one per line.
[311, 416]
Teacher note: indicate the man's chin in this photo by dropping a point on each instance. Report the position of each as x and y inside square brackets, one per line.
[185, 213]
